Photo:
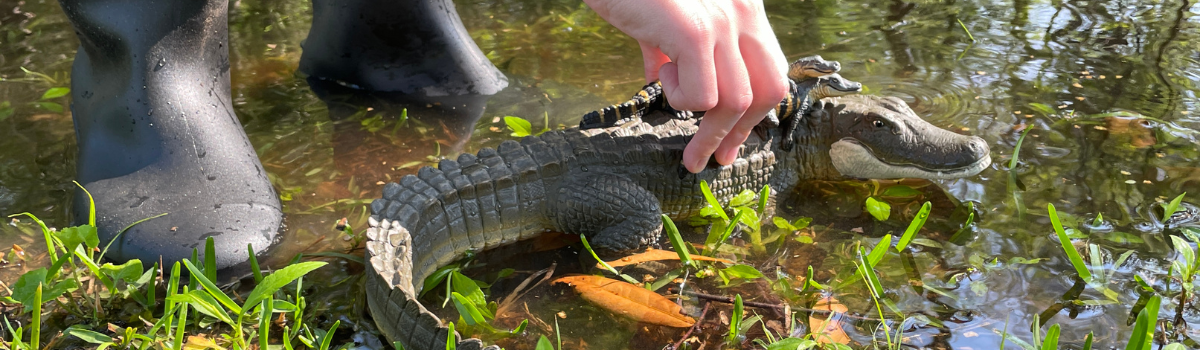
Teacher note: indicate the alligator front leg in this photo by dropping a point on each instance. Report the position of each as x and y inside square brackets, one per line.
[615, 213]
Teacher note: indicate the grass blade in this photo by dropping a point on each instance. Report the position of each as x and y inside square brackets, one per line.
[210, 260]
[1051, 341]
[1072, 254]
[677, 241]
[762, 199]
[280, 278]
[587, 246]
[880, 249]
[328, 338]
[735, 321]
[177, 344]
[258, 277]
[35, 326]
[914, 226]
[964, 27]
[45, 235]
[212, 289]
[91, 204]
[1172, 207]
[712, 200]
[264, 322]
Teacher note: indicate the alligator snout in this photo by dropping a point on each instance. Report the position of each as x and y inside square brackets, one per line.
[882, 138]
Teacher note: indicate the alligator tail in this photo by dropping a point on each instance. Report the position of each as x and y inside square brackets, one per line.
[791, 102]
[649, 98]
[430, 219]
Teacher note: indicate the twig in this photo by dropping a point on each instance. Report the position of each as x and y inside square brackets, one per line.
[694, 327]
[779, 307]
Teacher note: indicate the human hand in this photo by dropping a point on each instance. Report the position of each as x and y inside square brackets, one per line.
[718, 56]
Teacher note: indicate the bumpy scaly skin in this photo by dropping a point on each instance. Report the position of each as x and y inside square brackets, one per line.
[610, 184]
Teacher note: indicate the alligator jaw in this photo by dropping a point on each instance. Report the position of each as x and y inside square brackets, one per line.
[851, 159]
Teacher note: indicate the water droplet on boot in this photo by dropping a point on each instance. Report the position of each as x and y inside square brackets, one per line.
[150, 112]
[583, 167]
[161, 62]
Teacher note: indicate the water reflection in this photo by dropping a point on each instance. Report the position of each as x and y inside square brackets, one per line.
[1108, 87]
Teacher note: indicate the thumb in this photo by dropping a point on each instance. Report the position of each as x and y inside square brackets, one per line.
[653, 59]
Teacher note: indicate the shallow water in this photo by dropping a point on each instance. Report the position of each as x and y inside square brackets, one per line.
[1064, 69]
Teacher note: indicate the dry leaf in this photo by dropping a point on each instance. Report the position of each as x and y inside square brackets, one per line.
[629, 300]
[655, 255]
[200, 343]
[829, 330]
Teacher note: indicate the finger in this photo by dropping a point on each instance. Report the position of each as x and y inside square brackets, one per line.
[735, 97]
[653, 59]
[767, 69]
[690, 80]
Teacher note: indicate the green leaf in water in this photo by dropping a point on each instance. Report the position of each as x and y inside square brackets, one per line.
[87, 335]
[677, 242]
[55, 92]
[544, 344]
[741, 199]
[468, 288]
[519, 126]
[50, 106]
[712, 200]
[878, 209]
[880, 249]
[743, 271]
[1072, 254]
[466, 308]
[1042, 108]
[914, 226]
[1172, 207]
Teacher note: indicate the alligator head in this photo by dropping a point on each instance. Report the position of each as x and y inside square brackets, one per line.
[876, 137]
[834, 85]
[811, 67]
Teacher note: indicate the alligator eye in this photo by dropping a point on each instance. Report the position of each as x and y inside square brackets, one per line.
[878, 123]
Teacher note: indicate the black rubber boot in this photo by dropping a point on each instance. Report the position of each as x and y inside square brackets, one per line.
[417, 47]
[157, 133]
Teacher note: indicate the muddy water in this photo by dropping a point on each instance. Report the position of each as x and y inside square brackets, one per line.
[1108, 88]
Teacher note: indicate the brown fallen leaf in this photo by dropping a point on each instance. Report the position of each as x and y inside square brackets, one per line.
[200, 343]
[655, 255]
[829, 330]
[628, 300]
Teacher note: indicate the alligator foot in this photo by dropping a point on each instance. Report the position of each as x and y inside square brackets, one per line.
[615, 213]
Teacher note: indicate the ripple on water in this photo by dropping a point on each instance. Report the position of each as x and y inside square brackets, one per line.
[937, 100]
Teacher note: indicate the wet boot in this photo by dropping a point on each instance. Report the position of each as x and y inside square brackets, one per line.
[157, 133]
[415, 47]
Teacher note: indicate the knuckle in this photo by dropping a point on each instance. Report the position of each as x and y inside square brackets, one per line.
[742, 102]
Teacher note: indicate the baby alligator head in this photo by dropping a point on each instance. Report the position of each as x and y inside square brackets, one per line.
[811, 67]
[881, 138]
[834, 85]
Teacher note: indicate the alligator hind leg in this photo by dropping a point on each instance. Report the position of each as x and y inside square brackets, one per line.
[615, 213]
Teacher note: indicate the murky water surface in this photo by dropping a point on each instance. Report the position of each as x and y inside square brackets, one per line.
[1108, 87]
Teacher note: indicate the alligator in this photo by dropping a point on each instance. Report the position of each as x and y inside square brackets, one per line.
[612, 184]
